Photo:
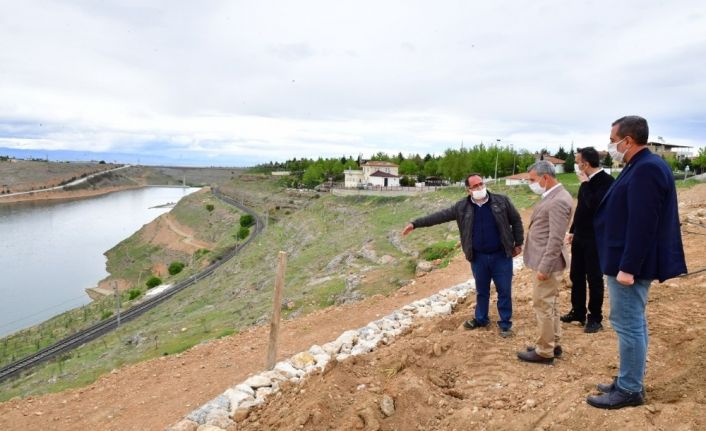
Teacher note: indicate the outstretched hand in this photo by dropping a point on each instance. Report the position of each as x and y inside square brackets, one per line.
[407, 229]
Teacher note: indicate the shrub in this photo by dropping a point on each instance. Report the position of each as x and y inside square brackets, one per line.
[209, 207]
[243, 233]
[133, 293]
[200, 253]
[247, 220]
[106, 314]
[153, 282]
[438, 250]
[175, 268]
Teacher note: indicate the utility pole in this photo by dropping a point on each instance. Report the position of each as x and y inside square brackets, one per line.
[117, 301]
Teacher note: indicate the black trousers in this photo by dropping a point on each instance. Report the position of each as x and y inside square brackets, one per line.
[586, 267]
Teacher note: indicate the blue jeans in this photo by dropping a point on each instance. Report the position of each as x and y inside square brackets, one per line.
[497, 267]
[627, 316]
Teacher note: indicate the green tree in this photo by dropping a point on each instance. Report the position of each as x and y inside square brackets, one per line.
[313, 176]
[210, 207]
[242, 233]
[408, 167]
[247, 220]
[431, 168]
[570, 160]
[608, 161]
[561, 154]
[175, 268]
[153, 282]
[699, 162]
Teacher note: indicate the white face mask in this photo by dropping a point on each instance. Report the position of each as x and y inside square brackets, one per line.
[479, 195]
[535, 187]
[614, 153]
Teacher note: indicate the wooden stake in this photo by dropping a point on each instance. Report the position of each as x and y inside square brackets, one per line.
[276, 308]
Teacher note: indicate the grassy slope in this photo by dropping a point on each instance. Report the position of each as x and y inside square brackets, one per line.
[312, 230]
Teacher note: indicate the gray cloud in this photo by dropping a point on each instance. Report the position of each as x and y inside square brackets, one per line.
[312, 78]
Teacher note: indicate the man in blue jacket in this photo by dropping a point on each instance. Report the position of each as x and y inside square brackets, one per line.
[639, 240]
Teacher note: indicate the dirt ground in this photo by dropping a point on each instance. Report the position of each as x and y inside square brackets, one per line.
[440, 376]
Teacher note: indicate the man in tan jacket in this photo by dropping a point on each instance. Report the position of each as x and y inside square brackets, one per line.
[545, 254]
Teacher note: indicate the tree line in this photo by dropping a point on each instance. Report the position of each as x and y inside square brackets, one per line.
[453, 165]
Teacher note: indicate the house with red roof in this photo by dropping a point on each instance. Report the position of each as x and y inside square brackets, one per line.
[373, 173]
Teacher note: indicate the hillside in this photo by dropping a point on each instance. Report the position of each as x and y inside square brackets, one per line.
[341, 250]
[486, 385]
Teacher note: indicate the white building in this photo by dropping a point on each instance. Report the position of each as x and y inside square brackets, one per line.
[374, 173]
[517, 179]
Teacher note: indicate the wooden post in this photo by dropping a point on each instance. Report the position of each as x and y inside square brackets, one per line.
[276, 308]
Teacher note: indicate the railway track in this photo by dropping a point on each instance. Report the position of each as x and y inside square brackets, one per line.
[103, 327]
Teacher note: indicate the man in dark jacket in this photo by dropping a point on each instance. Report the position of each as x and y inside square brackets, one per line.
[639, 240]
[584, 255]
[491, 235]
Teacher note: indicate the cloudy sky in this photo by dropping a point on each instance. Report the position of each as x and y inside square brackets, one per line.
[240, 82]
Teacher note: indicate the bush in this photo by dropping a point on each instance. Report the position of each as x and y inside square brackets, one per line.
[133, 293]
[243, 233]
[153, 282]
[175, 268]
[247, 220]
[438, 250]
[106, 314]
[210, 207]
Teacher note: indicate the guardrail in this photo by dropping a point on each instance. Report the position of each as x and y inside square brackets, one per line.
[103, 327]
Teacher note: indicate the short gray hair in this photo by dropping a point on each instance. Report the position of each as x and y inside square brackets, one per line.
[543, 167]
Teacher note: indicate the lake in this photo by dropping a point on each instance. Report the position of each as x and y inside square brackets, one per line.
[50, 251]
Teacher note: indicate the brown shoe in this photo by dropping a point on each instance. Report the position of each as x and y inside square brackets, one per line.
[557, 351]
[532, 356]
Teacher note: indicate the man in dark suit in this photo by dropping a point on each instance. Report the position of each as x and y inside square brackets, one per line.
[584, 255]
[639, 240]
[491, 235]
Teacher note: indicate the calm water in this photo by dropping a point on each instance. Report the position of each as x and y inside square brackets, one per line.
[51, 251]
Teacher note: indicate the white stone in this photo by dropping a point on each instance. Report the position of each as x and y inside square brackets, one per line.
[263, 392]
[244, 388]
[302, 360]
[237, 397]
[441, 309]
[288, 370]
[331, 348]
[316, 350]
[274, 376]
[257, 381]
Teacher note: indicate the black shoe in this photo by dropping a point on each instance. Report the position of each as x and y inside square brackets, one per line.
[532, 356]
[616, 399]
[473, 324]
[592, 327]
[557, 350]
[506, 333]
[571, 316]
[605, 388]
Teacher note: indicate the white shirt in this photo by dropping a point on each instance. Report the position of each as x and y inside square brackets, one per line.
[593, 174]
[544, 195]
